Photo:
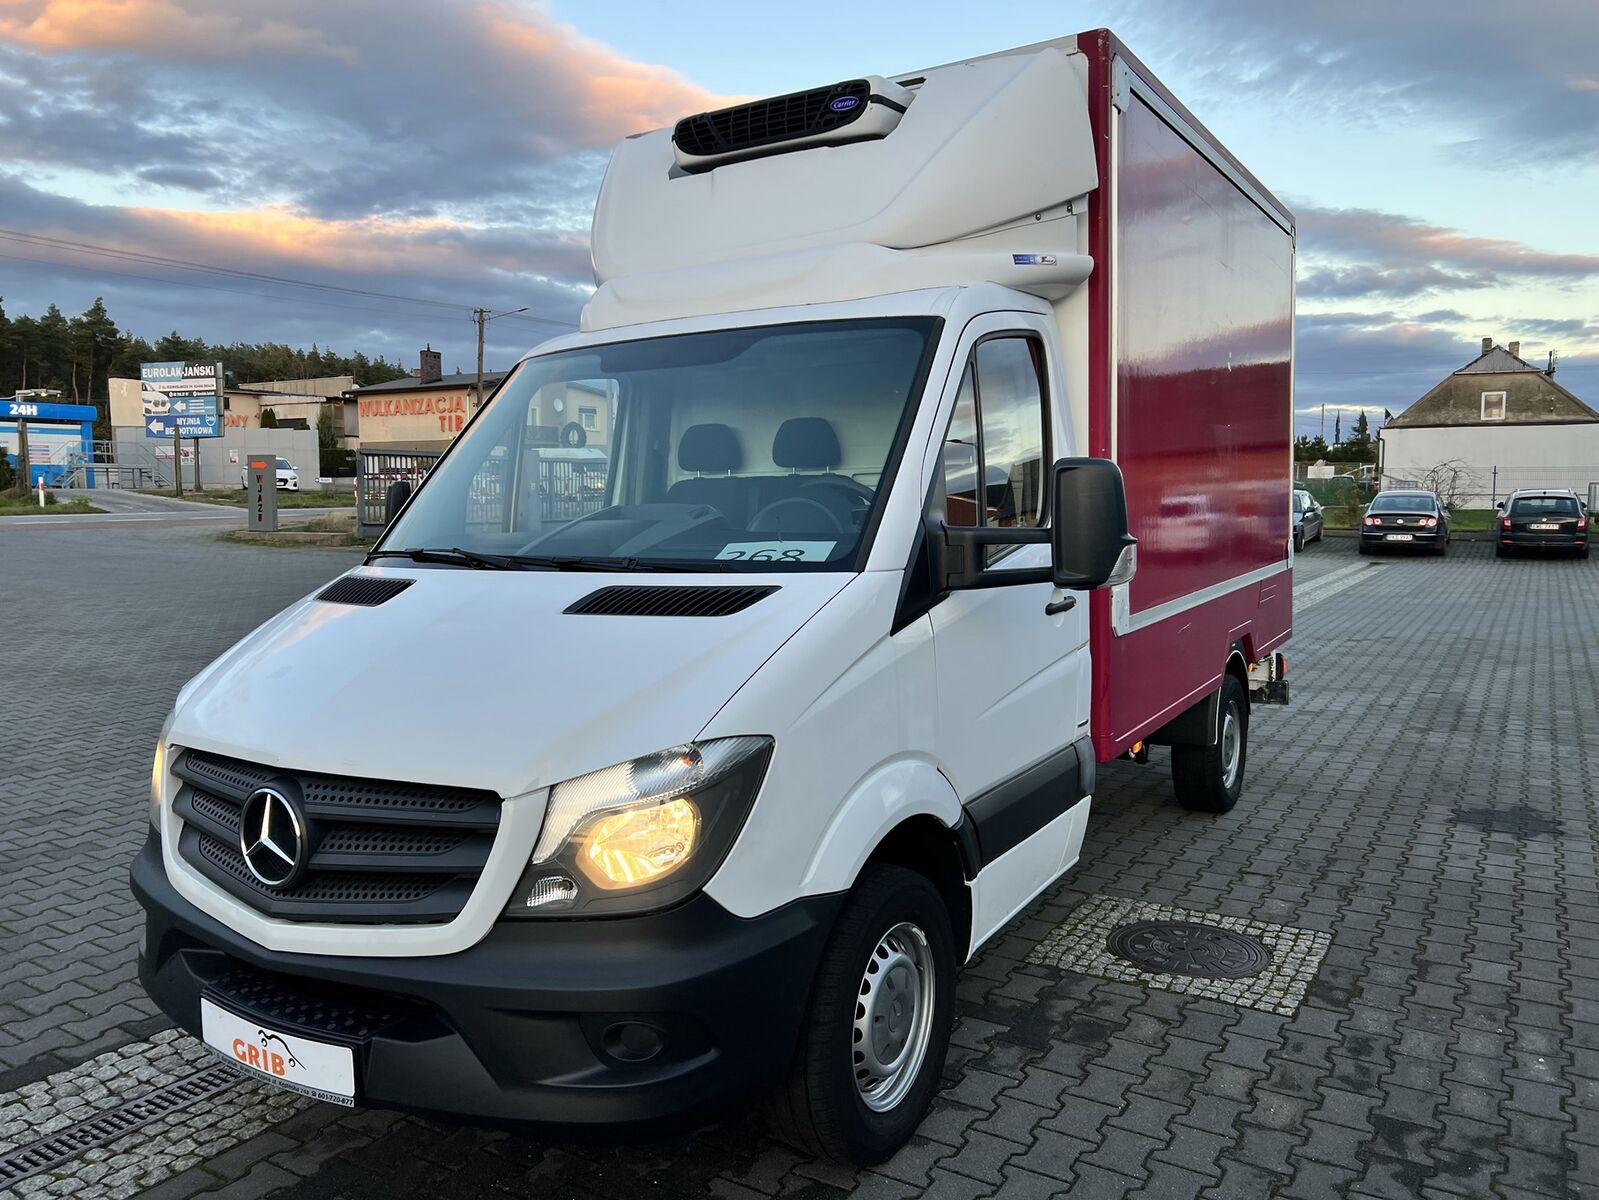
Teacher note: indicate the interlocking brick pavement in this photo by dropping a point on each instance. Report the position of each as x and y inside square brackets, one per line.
[1448, 1046]
[103, 627]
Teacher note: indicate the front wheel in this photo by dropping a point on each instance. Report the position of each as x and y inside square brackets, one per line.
[878, 1023]
[1299, 541]
[1211, 778]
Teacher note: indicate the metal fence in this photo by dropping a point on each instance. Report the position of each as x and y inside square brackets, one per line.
[570, 484]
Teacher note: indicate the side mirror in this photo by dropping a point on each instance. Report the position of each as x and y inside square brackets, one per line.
[1091, 546]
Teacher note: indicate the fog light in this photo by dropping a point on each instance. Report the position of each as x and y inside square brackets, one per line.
[640, 845]
[632, 1041]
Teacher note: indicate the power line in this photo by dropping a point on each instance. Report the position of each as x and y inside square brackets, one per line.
[89, 248]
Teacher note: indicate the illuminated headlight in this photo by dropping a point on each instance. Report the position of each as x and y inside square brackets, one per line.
[158, 772]
[643, 834]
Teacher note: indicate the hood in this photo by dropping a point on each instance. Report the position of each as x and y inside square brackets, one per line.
[480, 679]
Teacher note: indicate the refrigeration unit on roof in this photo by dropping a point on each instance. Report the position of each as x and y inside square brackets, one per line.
[856, 110]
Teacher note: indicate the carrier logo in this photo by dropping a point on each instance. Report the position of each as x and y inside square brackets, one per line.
[844, 103]
[272, 838]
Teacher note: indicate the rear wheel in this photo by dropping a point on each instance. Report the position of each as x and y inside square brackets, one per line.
[1365, 549]
[1211, 778]
[1582, 552]
[1501, 552]
[877, 1027]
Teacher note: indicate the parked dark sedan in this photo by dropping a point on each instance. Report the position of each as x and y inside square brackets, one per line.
[1545, 520]
[1308, 523]
[1405, 521]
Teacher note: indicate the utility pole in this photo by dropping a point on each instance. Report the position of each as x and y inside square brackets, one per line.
[177, 458]
[1322, 432]
[24, 477]
[482, 317]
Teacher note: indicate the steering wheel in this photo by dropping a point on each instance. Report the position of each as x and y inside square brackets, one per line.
[796, 501]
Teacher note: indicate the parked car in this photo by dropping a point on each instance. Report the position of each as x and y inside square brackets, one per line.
[288, 477]
[1308, 523]
[1410, 520]
[1549, 519]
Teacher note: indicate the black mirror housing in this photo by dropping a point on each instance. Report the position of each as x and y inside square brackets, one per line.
[1091, 544]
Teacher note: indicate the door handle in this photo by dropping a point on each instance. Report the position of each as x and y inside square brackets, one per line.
[1065, 604]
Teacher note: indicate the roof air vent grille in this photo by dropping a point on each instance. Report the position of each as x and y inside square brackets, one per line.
[632, 600]
[855, 110]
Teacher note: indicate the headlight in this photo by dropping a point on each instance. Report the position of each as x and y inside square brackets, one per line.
[643, 834]
[158, 772]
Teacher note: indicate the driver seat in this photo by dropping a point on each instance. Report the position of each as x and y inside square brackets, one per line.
[806, 444]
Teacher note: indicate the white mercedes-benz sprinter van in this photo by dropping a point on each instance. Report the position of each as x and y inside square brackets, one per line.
[714, 753]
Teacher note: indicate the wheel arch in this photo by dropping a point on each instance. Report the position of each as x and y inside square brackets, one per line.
[940, 854]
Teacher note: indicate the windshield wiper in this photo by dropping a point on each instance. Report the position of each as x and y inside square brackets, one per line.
[565, 562]
[454, 556]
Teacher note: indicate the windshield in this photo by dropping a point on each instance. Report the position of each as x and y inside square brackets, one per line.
[1405, 502]
[761, 448]
[285, 465]
[1542, 506]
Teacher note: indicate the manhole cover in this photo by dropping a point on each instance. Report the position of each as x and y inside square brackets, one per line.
[1520, 821]
[1188, 948]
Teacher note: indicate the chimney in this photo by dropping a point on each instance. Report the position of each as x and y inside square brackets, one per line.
[1487, 345]
[1515, 349]
[432, 371]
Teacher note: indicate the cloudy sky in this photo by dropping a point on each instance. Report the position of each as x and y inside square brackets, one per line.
[423, 157]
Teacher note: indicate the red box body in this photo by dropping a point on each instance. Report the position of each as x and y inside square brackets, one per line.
[1191, 392]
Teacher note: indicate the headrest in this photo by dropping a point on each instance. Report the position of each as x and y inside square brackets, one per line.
[806, 444]
[709, 448]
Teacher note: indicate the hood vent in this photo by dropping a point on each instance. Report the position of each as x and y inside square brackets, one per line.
[853, 111]
[367, 590]
[631, 600]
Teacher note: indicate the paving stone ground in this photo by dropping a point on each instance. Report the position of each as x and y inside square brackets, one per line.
[1427, 802]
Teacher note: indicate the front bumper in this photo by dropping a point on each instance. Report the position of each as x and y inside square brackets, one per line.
[636, 1022]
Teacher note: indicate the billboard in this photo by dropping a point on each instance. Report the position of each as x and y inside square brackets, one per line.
[181, 397]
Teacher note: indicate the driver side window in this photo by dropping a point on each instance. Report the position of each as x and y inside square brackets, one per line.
[997, 444]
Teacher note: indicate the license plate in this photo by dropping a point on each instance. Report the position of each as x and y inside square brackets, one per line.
[1400, 537]
[1545, 528]
[317, 1069]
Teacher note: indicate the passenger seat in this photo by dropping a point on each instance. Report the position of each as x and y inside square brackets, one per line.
[806, 444]
[712, 452]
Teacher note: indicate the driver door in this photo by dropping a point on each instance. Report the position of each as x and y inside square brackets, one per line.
[1012, 682]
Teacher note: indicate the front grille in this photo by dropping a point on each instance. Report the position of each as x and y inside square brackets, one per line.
[769, 122]
[378, 851]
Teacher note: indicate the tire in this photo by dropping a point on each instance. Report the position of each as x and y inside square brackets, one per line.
[1501, 552]
[1320, 533]
[821, 1108]
[1299, 542]
[1365, 549]
[1210, 779]
[574, 436]
[1583, 553]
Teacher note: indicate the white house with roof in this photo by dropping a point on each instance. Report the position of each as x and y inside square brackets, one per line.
[1504, 421]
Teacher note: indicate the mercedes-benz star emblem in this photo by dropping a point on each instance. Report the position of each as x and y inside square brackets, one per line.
[272, 838]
